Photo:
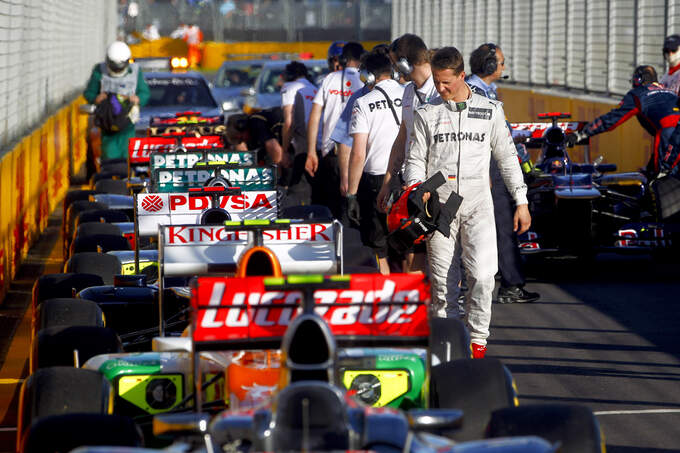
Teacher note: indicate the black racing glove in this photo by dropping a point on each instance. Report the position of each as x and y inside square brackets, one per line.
[575, 137]
[353, 212]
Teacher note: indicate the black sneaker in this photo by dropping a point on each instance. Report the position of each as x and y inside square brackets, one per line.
[516, 294]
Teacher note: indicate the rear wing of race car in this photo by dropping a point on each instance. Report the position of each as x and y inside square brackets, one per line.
[535, 131]
[189, 123]
[155, 209]
[190, 158]
[361, 309]
[206, 173]
[299, 246]
[140, 148]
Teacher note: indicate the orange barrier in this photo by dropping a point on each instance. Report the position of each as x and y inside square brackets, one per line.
[35, 175]
[215, 53]
[628, 146]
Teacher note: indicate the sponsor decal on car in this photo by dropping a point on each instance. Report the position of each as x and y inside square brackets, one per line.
[249, 178]
[140, 148]
[371, 304]
[189, 159]
[299, 247]
[154, 209]
[207, 235]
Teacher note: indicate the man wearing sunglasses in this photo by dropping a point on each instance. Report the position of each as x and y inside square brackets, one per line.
[671, 53]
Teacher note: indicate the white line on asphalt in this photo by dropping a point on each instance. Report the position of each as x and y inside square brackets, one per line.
[645, 411]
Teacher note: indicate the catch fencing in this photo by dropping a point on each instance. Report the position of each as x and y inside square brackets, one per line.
[47, 50]
[582, 45]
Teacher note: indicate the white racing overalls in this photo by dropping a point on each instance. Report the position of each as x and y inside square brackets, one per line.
[459, 142]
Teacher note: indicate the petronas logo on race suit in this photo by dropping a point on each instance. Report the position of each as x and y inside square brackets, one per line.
[152, 203]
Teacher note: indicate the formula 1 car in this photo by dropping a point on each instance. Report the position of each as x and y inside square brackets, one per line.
[309, 409]
[582, 208]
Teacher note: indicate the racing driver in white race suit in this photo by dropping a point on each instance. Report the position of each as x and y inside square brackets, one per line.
[457, 135]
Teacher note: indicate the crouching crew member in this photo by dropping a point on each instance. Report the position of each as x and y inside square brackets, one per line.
[260, 131]
[375, 122]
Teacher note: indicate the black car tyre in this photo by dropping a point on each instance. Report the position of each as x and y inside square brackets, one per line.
[102, 215]
[102, 264]
[97, 242]
[72, 213]
[477, 387]
[62, 312]
[574, 427]
[61, 390]
[93, 228]
[575, 227]
[59, 433]
[449, 339]
[55, 346]
[50, 286]
[113, 186]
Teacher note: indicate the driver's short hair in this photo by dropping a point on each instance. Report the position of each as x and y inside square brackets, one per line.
[448, 58]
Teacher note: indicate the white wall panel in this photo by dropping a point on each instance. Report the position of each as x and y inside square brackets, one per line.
[673, 17]
[556, 59]
[538, 55]
[622, 37]
[47, 50]
[597, 47]
[492, 16]
[521, 48]
[651, 22]
[506, 37]
[582, 44]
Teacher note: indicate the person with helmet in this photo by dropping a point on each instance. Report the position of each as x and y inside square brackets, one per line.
[411, 58]
[328, 104]
[376, 118]
[334, 53]
[122, 83]
[671, 53]
[656, 108]
[487, 64]
[457, 135]
[294, 132]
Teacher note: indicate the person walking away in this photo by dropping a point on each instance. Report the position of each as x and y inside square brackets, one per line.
[376, 118]
[321, 163]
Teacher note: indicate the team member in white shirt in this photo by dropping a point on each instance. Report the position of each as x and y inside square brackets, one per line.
[294, 132]
[376, 119]
[322, 162]
[411, 58]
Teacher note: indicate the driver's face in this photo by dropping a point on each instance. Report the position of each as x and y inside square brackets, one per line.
[447, 83]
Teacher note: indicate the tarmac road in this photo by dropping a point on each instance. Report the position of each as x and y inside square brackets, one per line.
[606, 335]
